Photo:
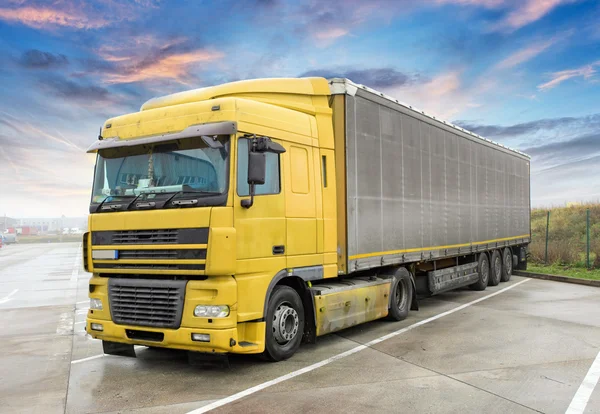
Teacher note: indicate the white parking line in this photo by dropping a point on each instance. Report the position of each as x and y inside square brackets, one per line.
[75, 271]
[8, 297]
[260, 387]
[83, 301]
[583, 394]
[77, 361]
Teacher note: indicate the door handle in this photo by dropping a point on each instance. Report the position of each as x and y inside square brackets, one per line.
[279, 249]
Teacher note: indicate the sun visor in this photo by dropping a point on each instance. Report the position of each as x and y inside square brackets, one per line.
[216, 128]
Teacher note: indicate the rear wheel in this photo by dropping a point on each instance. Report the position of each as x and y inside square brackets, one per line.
[483, 269]
[285, 324]
[496, 268]
[401, 295]
[507, 265]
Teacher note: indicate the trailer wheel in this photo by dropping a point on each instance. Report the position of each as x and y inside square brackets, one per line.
[285, 324]
[484, 273]
[507, 265]
[401, 294]
[495, 268]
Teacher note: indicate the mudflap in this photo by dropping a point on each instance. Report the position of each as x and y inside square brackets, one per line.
[119, 349]
[205, 359]
[414, 305]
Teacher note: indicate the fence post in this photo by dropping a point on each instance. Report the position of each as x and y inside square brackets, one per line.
[547, 227]
[587, 235]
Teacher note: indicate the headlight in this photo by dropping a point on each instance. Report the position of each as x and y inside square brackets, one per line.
[211, 311]
[95, 304]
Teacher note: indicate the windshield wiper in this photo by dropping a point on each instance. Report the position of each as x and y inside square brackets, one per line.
[187, 202]
[108, 207]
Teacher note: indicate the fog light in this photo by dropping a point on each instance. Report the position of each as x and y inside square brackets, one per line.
[96, 327]
[200, 337]
[95, 304]
[211, 311]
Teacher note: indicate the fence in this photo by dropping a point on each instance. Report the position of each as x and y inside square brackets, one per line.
[567, 236]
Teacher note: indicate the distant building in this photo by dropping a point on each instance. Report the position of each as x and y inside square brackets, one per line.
[43, 225]
[6, 223]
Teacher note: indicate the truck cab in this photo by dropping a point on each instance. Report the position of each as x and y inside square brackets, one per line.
[204, 204]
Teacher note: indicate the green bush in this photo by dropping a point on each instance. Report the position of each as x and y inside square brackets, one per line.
[566, 236]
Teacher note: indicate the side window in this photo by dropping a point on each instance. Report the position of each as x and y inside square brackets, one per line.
[272, 182]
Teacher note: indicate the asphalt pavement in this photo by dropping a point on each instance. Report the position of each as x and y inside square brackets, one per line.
[523, 346]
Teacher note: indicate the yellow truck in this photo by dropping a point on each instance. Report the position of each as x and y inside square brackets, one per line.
[251, 216]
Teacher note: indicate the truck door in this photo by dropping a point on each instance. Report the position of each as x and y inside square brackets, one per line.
[260, 229]
[300, 205]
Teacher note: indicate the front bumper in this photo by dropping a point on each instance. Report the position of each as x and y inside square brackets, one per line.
[248, 337]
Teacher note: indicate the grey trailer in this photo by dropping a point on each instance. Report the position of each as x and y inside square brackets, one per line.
[419, 189]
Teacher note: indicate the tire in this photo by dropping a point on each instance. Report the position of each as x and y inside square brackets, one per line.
[285, 324]
[401, 294]
[507, 265]
[495, 268]
[483, 268]
[520, 251]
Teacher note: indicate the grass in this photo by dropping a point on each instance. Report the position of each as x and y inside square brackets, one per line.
[576, 272]
[567, 235]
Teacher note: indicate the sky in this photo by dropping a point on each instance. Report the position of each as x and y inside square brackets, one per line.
[520, 72]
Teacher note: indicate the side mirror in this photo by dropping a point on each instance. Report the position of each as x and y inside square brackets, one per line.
[257, 166]
[257, 163]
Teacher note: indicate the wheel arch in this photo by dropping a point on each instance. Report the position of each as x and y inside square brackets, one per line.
[285, 278]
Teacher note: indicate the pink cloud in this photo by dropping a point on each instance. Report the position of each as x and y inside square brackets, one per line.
[528, 11]
[528, 53]
[40, 18]
[587, 72]
[332, 33]
[146, 58]
[71, 13]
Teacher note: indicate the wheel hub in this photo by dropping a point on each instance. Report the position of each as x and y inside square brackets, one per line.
[399, 295]
[498, 265]
[285, 324]
[508, 264]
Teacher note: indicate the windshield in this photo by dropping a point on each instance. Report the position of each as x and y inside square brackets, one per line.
[179, 166]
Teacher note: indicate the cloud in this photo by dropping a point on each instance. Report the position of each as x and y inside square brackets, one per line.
[581, 147]
[331, 33]
[36, 59]
[549, 124]
[556, 78]
[526, 12]
[525, 54]
[146, 58]
[66, 88]
[73, 14]
[45, 18]
[374, 78]
[444, 95]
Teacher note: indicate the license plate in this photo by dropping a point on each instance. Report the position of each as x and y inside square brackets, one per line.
[105, 254]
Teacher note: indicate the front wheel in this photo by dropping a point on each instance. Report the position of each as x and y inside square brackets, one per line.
[285, 324]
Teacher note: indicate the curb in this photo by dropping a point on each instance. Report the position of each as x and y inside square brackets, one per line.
[555, 278]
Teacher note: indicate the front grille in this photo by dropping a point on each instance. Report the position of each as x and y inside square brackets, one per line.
[193, 254]
[174, 266]
[153, 236]
[143, 302]
[166, 236]
[148, 254]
